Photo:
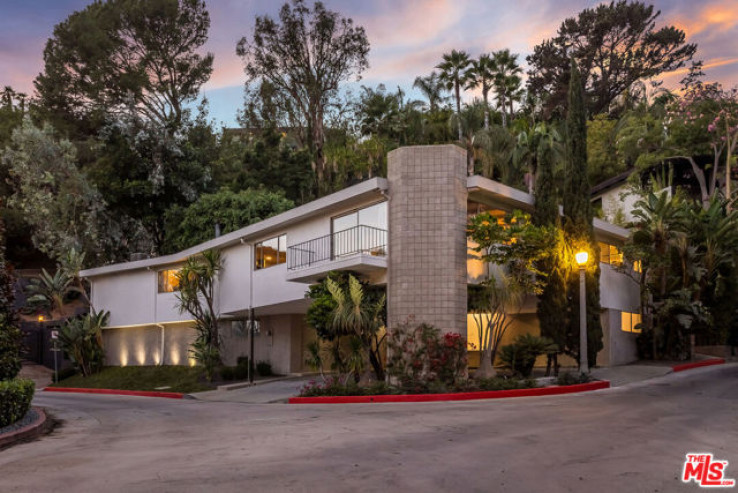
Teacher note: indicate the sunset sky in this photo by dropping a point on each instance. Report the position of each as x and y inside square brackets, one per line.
[407, 37]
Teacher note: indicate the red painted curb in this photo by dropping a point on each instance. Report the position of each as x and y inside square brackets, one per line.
[458, 396]
[138, 393]
[29, 431]
[697, 364]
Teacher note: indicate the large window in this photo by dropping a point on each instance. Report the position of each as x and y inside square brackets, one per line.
[168, 282]
[271, 252]
[628, 322]
[371, 237]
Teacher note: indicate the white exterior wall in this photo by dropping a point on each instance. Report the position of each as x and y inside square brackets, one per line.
[618, 199]
[617, 290]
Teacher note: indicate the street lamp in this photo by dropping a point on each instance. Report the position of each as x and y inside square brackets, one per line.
[582, 258]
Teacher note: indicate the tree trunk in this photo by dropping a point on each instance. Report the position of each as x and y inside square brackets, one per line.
[485, 96]
[458, 110]
[504, 112]
[485, 370]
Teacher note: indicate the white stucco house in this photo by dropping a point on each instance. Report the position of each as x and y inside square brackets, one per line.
[406, 232]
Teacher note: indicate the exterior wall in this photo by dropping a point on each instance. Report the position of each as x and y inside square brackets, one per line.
[142, 346]
[427, 222]
[130, 297]
[619, 346]
[618, 291]
[617, 201]
[234, 289]
[282, 340]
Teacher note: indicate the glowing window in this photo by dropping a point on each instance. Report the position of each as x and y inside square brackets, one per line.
[629, 321]
[168, 282]
[271, 252]
[610, 254]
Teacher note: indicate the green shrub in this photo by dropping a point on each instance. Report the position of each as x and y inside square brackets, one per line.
[10, 344]
[227, 373]
[521, 355]
[264, 368]
[503, 383]
[242, 361]
[15, 400]
[81, 339]
[573, 378]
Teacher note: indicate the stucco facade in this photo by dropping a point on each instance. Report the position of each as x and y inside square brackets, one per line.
[419, 251]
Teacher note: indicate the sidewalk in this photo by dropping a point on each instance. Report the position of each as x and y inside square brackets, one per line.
[40, 375]
[623, 375]
[276, 391]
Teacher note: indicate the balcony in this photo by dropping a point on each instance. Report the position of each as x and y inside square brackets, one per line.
[361, 249]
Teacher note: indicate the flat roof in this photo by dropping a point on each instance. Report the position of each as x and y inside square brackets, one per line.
[356, 193]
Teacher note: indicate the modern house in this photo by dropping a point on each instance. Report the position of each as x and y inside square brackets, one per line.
[407, 232]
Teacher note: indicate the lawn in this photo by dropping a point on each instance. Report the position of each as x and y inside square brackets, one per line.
[183, 379]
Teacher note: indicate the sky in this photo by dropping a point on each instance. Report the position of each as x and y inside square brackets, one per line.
[407, 37]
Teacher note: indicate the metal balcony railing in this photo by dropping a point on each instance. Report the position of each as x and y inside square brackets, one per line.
[359, 239]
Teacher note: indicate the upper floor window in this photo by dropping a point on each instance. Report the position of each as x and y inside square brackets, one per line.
[168, 281]
[373, 215]
[363, 230]
[610, 254]
[270, 252]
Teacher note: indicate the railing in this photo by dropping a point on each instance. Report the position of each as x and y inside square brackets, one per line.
[352, 241]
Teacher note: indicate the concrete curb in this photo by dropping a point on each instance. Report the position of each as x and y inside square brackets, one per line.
[32, 430]
[137, 393]
[697, 364]
[459, 396]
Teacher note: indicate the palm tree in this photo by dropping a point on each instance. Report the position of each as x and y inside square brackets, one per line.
[51, 291]
[482, 74]
[454, 74]
[356, 315]
[432, 88]
[531, 143]
[470, 121]
[507, 73]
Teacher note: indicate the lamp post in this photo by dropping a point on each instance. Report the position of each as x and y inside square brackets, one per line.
[582, 258]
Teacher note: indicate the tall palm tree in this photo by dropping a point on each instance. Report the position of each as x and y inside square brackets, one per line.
[454, 74]
[470, 120]
[506, 69]
[432, 88]
[482, 74]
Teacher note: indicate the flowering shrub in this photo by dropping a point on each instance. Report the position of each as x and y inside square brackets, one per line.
[421, 358]
[334, 387]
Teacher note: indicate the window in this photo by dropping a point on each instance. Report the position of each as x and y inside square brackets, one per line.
[348, 238]
[628, 322]
[270, 252]
[610, 254]
[168, 282]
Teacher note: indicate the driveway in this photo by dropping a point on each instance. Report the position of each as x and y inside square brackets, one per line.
[631, 438]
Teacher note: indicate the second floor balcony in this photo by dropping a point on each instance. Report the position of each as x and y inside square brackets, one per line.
[360, 248]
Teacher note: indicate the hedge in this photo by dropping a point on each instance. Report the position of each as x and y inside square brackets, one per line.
[15, 400]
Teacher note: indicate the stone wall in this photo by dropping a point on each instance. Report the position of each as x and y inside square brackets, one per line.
[427, 237]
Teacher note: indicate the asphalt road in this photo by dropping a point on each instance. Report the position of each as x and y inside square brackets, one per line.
[630, 439]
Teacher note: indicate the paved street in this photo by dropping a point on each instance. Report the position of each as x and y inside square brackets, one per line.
[631, 438]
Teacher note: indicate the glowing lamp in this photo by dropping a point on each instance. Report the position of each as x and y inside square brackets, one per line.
[582, 258]
[40, 318]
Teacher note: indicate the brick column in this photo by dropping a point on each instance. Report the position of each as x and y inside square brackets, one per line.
[427, 237]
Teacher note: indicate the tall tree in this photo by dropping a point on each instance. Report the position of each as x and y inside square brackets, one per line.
[482, 74]
[615, 45]
[578, 229]
[552, 301]
[454, 74]
[121, 55]
[506, 80]
[306, 55]
[432, 88]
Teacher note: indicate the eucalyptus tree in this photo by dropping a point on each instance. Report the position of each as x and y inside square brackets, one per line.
[482, 75]
[306, 54]
[454, 74]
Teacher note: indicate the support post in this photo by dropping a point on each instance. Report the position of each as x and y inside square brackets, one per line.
[583, 363]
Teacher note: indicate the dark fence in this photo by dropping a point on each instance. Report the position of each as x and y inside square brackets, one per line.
[359, 239]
